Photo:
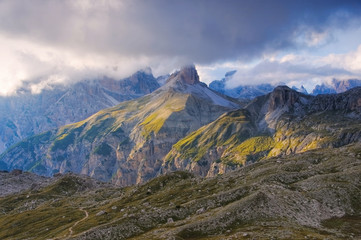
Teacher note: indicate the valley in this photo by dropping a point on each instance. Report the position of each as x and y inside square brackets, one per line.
[313, 194]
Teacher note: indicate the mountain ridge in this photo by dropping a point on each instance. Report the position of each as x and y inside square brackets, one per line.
[125, 143]
[281, 123]
[247, 92]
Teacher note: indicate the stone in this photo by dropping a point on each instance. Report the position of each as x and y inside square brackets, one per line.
[101, 213]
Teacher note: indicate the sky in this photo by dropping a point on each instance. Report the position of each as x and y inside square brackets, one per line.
[267, 41]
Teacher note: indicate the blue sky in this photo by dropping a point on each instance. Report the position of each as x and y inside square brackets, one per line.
[267, 41]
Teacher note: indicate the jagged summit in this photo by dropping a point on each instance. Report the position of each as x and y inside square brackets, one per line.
[269, 108]
[283, 96]
[187, 75]
[186, 81]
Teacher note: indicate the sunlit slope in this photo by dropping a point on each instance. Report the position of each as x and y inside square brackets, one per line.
[281, 123]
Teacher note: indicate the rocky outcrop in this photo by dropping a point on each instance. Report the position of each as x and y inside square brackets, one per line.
[281, 97]
[188, 75]
[17, 181]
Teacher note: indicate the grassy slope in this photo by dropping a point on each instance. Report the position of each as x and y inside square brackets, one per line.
[315, 194]
[230, 129]
[243, 143]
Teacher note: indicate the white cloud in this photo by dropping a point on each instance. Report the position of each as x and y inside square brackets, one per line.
[40, 66]
[292, 69]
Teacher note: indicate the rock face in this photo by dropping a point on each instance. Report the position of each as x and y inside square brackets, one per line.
[281, 123]
[127, 143]
[28, 114]
[189, 75]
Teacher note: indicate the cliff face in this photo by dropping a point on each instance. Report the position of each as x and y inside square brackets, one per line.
[27, 114]
[125, 144]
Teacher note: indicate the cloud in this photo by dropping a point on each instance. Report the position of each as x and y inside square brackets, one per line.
[75, 39]
[297, 70]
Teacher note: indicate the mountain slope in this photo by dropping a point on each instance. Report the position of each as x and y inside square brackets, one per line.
[281, 123]
[126, 143]
[313, 195]
[27, 114]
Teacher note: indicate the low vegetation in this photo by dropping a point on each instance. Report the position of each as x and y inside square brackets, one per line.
[314, 194]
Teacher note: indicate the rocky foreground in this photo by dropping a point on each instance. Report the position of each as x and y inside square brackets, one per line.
[312, 195]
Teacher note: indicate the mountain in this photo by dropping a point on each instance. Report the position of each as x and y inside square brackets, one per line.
[27, 114]
[336, 86]
[302, 89]
[311, 195]
[246, 92]
[124, 144]
[280, 123]
[242, 92]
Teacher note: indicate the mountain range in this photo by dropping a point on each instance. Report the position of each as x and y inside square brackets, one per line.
[26, 114]
[336, 86]
[246, 92]
[184, 125]
[124, 144]
[242, 92]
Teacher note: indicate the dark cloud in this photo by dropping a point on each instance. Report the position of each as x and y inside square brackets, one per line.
[201, 31]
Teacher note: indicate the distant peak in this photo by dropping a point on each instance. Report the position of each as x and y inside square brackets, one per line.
[188, 74]
[282, 88]
[147, 70]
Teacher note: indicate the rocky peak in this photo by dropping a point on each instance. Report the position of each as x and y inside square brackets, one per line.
[282, 96]
[187, 75]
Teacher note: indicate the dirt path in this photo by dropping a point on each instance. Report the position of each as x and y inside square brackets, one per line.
[77, 222]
